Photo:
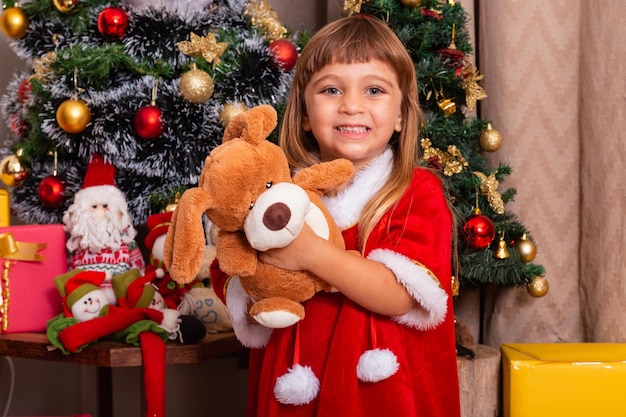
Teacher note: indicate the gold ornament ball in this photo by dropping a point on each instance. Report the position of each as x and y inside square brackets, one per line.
[490, 139]
[231, 110]
[12, 171]
[411, 3]
[526, 249]
[196, 86]
[14, 22]
[538, 287]
[73, 115]
[64, 6]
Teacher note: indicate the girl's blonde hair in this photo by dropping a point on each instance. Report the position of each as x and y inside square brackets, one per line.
[357, 39]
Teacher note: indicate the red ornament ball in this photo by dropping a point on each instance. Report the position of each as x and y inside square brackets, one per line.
[479, 230]
[23, 91]
[51, 191]
[112, 23]
[283, 54]
[149, 122]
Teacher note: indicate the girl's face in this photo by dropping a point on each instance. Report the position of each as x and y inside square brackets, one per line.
[353, 110]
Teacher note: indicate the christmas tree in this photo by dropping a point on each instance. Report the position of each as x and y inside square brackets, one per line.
[147, 84]
[494, 248]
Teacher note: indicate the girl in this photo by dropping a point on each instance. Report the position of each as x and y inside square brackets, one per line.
[355, 96]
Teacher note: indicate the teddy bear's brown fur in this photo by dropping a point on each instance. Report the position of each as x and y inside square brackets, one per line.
[234, 175]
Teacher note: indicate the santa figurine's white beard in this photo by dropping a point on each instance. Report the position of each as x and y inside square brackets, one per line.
[92, 232]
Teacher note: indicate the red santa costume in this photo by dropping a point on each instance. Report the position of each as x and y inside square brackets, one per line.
[101, 235]
[413, 240]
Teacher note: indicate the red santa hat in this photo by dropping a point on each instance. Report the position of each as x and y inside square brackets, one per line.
[75, 284]
[157, 225]
[99, 183]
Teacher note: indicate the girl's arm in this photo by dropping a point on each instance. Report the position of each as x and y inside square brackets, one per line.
[368, 283]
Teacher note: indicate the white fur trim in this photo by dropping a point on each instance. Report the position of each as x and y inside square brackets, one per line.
[100, 193]
[347, 205]
[376, 365]
[249, 334]
[298, 386]
[421, 284]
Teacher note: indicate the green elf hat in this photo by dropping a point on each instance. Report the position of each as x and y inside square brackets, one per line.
[73, 285]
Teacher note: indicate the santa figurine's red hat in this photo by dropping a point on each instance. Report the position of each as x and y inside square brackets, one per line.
[157, 225]
[99, 183]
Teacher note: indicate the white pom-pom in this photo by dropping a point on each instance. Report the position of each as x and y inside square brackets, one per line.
[298, 386]
[159, 272]
[376, 365]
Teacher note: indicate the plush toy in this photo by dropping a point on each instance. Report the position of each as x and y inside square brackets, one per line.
[101, 234]
[88, 317]
[136, 291]
[246, 190]
[195, 299]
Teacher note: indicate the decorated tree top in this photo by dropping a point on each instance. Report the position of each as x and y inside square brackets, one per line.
[147, 84]
[494, 247]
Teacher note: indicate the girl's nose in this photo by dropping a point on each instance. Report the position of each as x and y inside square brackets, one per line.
[351, 103]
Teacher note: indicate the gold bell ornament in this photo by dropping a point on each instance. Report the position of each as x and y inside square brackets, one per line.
[502, 252]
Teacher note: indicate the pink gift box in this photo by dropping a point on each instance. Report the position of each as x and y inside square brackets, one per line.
[28, 288]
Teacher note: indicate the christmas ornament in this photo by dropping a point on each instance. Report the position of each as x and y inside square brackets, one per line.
[73, 115]
[352, 6]
[490, 139]
[231, 110]
[526, 249]
[435, 14]
[283, 54]
[41, 67]
[64, 6]
[51, 189]
[411, 3]
[478, 230]
[452, 159]
[502, 252]
[23, 91]
[196, 85]
[263, 16]
[14, 22]
[538, 287]
[473, 91]
[205, 47]
[489, 188]
[447, 106]
[112, 23]
[13, 172]
[148, 120]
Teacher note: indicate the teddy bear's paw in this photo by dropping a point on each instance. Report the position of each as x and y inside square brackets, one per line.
[277, 313]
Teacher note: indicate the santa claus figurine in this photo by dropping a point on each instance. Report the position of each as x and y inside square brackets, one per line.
[101, 234]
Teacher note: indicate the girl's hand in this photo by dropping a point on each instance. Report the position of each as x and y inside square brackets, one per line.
[297, 255]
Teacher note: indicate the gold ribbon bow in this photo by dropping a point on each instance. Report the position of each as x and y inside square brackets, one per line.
[11, 251]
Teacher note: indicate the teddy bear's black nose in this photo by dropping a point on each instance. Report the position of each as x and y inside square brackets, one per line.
[277, 216]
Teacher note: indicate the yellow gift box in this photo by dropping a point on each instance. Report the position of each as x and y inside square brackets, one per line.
[563, 379]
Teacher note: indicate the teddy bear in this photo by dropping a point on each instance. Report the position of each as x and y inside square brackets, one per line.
[246, 190]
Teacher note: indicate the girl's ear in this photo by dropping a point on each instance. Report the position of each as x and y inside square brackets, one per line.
[306, 124]
[398, 127]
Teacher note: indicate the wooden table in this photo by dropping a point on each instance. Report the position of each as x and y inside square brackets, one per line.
[108, 354]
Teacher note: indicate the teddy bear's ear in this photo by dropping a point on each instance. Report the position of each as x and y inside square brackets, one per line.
[184, 243]
[253, 125]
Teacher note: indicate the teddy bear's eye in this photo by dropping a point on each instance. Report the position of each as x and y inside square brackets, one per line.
[251, 205]
[269, 184]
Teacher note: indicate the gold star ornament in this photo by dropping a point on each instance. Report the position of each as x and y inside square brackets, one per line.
[205, 47]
